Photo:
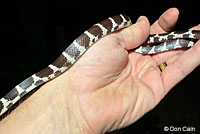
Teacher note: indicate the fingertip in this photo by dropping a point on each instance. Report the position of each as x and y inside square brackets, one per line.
[137, 33]
[143, 25]
[173, 11]
[140, 30]
[197, 27]
[168, 19]
[142, 19]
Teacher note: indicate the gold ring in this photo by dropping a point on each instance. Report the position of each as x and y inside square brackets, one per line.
[162, 66]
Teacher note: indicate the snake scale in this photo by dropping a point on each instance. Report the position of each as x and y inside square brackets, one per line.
[155, 43]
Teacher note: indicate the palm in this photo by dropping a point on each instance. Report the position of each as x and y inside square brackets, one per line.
[116, 87]
[115, 75]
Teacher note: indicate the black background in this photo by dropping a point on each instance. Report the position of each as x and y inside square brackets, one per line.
[33, 33]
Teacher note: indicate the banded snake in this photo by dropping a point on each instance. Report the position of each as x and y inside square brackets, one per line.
[156, 43]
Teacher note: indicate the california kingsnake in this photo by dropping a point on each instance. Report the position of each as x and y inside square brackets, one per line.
[79, 46]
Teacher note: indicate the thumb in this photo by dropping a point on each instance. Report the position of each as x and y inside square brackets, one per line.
[136, 34]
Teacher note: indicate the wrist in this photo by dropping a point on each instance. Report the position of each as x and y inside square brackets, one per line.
[53, 108]
[68, 105]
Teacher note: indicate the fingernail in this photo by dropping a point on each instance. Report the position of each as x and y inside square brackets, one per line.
[140, 19]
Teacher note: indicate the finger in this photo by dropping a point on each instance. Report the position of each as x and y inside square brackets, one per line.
[172, 55]
[166, 22]
[195, 27]
[181, 66]
[136, 34]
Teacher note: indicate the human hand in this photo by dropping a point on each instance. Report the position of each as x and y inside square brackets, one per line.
[108, 88]
[116, 87]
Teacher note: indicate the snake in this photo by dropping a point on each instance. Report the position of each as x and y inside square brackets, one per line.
[156, 43]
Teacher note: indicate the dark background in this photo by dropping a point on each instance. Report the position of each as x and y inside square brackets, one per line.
[33, 33]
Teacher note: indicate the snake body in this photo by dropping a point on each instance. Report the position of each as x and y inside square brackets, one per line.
[79, 46]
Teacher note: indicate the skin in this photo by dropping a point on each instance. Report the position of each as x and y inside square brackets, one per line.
[108, 88]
